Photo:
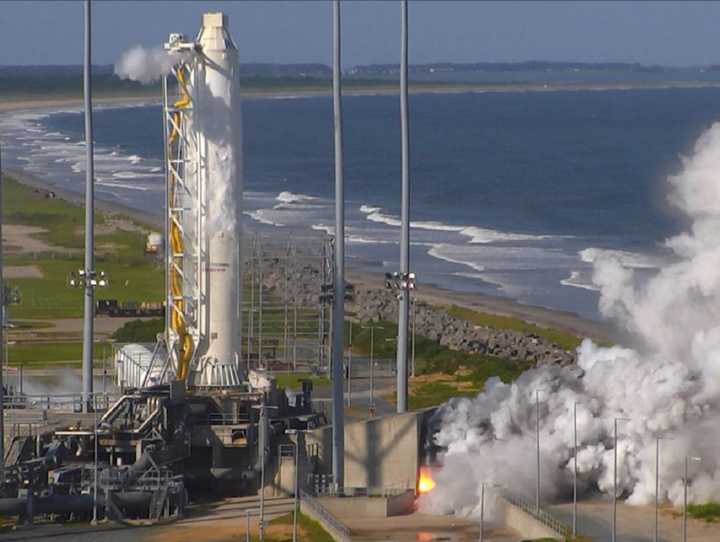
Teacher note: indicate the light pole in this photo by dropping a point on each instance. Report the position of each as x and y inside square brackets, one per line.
[412, 345]
[404, 295]
[262, 433]
[2, 340]
[537, 440]
[338, 421]
[94, 519]
[685, 496]
[296, 500]
[482, 511]
[89, 268]
[349, 379]
[615, 460]
[247, 525]
[657, 485]
[575, 470]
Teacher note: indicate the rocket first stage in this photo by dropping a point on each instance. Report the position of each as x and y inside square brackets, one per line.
[204, 163]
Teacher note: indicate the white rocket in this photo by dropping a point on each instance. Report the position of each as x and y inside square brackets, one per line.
[204, 202]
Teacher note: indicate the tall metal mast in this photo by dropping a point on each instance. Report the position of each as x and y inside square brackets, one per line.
[89, 308]
[404, 295]
[338, 453]
[2, 341]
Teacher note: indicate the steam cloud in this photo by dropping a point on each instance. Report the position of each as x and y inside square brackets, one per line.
[145, 65]
[667, 385]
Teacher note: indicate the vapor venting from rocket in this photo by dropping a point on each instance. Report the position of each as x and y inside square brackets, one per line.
[669, 386]
[145, 65]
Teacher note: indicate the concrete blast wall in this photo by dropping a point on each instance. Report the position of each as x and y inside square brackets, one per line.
[380, 453]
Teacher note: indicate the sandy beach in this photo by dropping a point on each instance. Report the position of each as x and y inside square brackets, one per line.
[15, 102]
[427, 293]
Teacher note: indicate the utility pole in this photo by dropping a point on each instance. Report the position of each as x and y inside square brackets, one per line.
[349, 369]
[575, 470]
[285, 302]
[339, 312]
[261, 362]
[413, 302]
[404, 296]
[251, 312]
[537, 454]
[615, 461]
[262, 433]
[685, 497]
[89, 298]
[482, 511]
[2, 337]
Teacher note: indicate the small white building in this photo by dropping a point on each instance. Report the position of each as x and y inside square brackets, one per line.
[154, 243]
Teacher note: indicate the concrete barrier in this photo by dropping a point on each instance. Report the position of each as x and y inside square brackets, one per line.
[383, 452]
[526, 524]
[380, 506]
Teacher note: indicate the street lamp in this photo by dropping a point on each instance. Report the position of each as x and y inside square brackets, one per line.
[685, 496]
[88, 280]
[615, 458]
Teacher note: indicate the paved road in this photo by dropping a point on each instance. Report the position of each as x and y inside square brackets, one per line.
[634, 523]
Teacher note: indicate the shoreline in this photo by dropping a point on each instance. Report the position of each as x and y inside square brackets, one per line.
[431, 294]
[41, 101]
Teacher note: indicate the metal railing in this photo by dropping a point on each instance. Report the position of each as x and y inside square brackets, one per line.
[63, 402]
[539, 514]
[326, 516]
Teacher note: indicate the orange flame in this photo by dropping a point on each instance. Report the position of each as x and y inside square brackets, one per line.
[426, 482]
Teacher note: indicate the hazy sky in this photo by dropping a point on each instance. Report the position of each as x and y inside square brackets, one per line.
[679, 33]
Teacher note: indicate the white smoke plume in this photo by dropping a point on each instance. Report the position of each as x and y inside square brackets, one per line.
[145, 65]
[668, 386]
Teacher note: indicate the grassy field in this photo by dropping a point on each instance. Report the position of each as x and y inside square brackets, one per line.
[566, 340]
[309, 530]
[133, 276]
[65, 354]
[709, 512]
[292, 380]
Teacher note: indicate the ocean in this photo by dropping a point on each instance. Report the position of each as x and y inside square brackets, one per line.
[513, 193]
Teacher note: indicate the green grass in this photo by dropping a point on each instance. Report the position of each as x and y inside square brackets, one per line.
[431, 358]
[309, 530]
[566, 340]
[709, 512]
[44, 354]
[133, 276]
[292, 380]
